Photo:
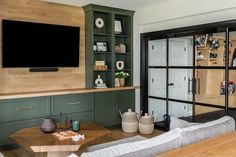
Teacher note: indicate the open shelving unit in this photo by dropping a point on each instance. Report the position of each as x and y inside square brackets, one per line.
[107, 35]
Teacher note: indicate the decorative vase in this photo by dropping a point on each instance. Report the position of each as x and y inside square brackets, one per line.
[117, 82]
[48, 125]
[122, 82]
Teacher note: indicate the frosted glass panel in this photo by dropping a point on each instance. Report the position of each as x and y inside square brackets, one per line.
[157, 52]
[180, 84]
[157, 108]
[157, 82]
[177, 109]
[181, 51]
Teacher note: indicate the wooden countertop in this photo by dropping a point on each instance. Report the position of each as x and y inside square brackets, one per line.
[220, 146]
[59, 92]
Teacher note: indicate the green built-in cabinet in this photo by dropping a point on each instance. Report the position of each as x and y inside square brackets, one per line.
[108, 105]
[16, 114]
[101, 107]
[107, 34]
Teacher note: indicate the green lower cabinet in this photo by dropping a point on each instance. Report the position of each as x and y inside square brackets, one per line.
[11, 127]
[108, 105]
[124, 100]
[72, 103]
[104, 109]
[82, 117]
[24, 108]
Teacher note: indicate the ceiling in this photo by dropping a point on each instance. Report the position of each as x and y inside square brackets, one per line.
[125, 4]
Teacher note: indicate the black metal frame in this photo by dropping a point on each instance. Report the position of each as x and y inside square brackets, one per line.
[180, 32]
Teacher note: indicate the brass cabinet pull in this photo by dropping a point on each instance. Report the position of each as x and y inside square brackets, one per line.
[24, 108]
[73, 103]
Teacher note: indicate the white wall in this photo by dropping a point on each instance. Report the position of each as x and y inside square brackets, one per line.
[167, 14]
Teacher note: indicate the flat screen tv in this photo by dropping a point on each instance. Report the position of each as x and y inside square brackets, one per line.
[27, 44]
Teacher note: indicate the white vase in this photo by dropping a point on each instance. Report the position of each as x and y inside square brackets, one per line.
[117, 82]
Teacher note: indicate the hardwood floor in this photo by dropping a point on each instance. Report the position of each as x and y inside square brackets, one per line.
[115, 135]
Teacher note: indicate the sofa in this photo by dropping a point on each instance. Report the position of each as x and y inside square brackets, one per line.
[180, 135]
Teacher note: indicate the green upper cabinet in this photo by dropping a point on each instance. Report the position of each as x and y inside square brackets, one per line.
[104, 44]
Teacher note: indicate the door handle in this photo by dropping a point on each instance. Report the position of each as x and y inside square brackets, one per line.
[171, 84]
[193, 89]
[189, 90]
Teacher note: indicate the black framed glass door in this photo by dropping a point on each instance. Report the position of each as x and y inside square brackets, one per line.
[190, 72]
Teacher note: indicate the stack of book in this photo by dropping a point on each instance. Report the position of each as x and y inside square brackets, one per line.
[101, 85]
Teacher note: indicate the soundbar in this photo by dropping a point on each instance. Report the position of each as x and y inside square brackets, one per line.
[44, 69]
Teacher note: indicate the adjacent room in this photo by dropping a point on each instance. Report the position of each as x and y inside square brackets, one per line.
[106, 78]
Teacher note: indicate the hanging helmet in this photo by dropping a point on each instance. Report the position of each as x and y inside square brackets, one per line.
[214, 43]
[200, 40]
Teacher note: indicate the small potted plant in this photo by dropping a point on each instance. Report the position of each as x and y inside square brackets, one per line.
[121, 75]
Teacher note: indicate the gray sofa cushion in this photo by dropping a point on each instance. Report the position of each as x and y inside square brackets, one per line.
[206, 130]
[179, 123]
[145, 148]
[108, 144]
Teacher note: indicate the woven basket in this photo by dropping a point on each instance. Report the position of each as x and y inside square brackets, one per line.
[146, 124]
[129, 121]
[130, 127]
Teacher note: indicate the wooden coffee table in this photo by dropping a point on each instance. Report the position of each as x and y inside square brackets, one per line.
[36, 141]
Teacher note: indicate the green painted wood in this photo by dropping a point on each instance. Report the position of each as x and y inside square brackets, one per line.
[123, 100]
[104, 109]
[107, 34]
[108, 105]
[72, 103]
[25, 108]
[94, 7]
[82, 117]
[89, 56]
[7, 129]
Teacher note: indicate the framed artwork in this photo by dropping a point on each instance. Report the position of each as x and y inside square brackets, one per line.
[119, 26]
[102, 46]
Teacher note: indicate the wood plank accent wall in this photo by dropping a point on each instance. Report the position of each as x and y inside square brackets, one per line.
[20, 79]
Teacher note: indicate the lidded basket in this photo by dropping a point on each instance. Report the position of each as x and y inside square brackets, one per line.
[129, 121]
[146, 124]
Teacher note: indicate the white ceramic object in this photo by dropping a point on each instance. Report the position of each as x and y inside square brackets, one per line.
[120, 65]
[146, 124]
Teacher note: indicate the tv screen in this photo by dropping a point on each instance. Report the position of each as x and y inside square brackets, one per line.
[27, 44]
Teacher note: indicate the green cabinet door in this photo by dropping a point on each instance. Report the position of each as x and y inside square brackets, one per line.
[124, 100]
[104, 109]
[11, 127]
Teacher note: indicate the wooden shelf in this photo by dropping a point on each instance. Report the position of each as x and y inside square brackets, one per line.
[102, 70]
[126, 53]
[4, 96]
[214, 59]
[101, 52]
[101, 34]
[201, 59]
[122, 36]
[123, 70]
